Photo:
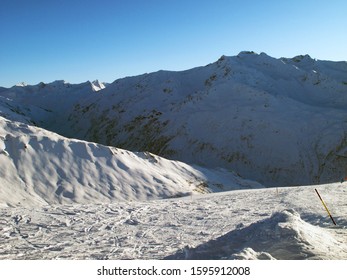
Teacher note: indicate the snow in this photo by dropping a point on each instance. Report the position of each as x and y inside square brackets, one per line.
[40, 167]
[178, 165]
[97, 85]
[277, 122]
[247, 224]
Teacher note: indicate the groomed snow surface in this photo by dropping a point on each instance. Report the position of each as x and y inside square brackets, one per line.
[289, 223]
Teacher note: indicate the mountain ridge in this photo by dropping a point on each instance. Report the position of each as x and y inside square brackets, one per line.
[276, 121]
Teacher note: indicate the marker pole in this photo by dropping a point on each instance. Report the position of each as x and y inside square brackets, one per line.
[326, 208]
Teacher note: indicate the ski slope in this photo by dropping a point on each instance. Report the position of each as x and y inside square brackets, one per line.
[290, 223]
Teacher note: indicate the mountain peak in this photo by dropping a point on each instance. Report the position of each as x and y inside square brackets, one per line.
[300, 58]
[247, 53]
[21, 84]
[97, 85]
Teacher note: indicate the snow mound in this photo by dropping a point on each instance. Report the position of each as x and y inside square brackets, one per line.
[284, 235]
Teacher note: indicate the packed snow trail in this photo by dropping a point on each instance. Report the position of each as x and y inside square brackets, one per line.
[249, 224]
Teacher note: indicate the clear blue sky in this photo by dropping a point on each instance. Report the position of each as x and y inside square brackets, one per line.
[80, 40]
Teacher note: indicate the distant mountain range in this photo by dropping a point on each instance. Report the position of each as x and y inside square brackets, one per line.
[275, 121]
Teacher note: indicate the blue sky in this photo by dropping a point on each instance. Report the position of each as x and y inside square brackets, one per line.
[80, 40]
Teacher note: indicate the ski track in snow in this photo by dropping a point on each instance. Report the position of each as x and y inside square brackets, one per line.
[248, 224]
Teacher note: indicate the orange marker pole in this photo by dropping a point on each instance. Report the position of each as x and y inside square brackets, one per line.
[326, 208]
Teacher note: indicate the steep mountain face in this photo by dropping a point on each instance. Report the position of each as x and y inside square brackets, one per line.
[276, 121]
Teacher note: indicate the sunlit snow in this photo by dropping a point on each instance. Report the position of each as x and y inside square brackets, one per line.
[197, 164]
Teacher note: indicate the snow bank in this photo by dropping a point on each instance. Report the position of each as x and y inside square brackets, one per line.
[282, 236]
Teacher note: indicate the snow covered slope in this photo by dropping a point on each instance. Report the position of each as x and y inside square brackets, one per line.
[248, 224]
[276, 121]
[45, 105]
[40, 167]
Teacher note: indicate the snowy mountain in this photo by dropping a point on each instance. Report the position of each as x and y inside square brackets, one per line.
[43, 104]
[276, 121]
[83, 173]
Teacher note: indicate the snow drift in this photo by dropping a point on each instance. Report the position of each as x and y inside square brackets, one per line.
[282, 236]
